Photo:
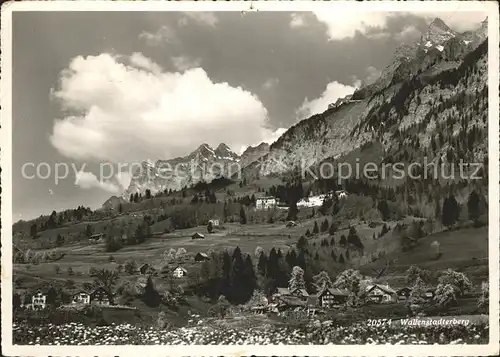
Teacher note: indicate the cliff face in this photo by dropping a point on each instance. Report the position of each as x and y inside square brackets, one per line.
[428, 88]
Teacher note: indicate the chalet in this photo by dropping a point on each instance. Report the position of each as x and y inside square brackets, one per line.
[341, 193]
[100, 296]
[201, 257]
[403, 293]
[298, 293]
[38, 300]
[197, 236]
[286, 302]
[214, 222]
[265, 203]
[81, 297]
[144, 268]
[179, 272]
[332, 296]
[380, 294]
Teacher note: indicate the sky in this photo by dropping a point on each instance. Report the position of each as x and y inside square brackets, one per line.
[94, 88]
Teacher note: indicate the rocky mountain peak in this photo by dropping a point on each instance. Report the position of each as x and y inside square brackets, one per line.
[437, 34]
[438, 24]
[482, 32]
[224, 152]
[204, 151]
[253, 153]
[222, 147]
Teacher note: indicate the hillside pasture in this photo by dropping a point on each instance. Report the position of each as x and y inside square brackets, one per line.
[463, 250]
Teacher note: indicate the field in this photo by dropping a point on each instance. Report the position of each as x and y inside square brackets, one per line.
[464, 250]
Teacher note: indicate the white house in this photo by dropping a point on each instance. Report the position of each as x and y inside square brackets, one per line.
[38, 301]
[341, 193]
[81, 297]
[179, 272]
[215, 222]
[265, 202]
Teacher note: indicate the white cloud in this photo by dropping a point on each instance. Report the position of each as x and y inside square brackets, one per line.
[344, 24]
[270, 83]
[200, 17]
[165, 34]
[270, 138]
[87, 180]
[139, 60]
[334, 90]
[459, 20]
[297, 20]
[182, 63]
[122, 113]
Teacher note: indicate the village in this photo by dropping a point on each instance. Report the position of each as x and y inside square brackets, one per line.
[184, 267]
[283, 298]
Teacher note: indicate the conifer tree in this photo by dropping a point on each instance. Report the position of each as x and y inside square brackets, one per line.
[316, 228]
[297, 279]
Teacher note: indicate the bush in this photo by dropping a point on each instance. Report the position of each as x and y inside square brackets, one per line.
[130, 266]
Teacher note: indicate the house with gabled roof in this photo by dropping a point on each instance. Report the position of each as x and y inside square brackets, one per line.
[144, 268]
[80, 297]
[332, 296]
[179, 272]
[100, 296]
[38, 300]
[379, 293]
[201, 257]
[403, 293]
[197, 236]
[299, 293]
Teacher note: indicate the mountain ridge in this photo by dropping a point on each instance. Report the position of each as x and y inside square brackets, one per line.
[349, 125]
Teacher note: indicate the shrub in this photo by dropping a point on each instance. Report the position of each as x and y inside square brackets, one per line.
[130, 266]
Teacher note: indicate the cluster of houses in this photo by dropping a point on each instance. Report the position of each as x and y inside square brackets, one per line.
[266, 202]
[270, 202]
[98, 296]
[286, 299]
[39, 299]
